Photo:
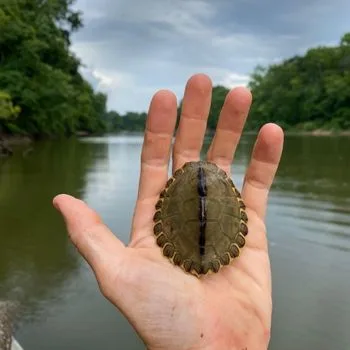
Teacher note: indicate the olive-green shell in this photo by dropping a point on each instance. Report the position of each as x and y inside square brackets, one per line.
[177, 224]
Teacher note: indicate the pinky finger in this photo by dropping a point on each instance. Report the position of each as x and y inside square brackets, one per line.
[262, 168]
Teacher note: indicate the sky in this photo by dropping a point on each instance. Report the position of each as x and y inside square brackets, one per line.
[133, 48]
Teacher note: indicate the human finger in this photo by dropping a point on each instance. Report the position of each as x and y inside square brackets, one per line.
[229, 128]
[155, 156]
[262, 168]
[155, 153]
[193, 120]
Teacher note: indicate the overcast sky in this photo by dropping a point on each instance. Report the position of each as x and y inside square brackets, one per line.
[132, 48]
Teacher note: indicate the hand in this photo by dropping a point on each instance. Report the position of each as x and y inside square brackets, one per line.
[168, 308]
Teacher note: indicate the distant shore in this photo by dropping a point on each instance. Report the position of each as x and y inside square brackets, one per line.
[320, 132]
[14, 140]
[317, 132]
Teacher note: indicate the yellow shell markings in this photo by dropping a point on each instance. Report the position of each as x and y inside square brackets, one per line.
[200, 220]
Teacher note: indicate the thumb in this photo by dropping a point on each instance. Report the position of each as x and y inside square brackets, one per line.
[94, 241]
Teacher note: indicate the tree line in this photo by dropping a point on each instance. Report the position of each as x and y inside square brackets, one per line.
[43, 93]
[41, 89]
[306, 92]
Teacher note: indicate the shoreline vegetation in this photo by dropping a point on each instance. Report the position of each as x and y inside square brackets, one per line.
[43, 93]
[7, 141]
[18, 140]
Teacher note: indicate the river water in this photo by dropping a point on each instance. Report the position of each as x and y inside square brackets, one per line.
[308, 225]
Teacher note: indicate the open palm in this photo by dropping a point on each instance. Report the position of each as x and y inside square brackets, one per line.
[167, 307]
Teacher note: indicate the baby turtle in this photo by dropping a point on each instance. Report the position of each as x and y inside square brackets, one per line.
[200, 220]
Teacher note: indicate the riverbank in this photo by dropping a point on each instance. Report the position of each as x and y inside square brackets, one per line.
[319, 132]
[7, 142]
[291, 132]
[16, 140]
[294, 132]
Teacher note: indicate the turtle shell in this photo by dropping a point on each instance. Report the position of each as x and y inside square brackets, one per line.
[200, 220]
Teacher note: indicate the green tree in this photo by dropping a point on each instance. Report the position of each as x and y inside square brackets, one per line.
[345, 40]
[307, 92]
[218, 98]
[7, 110]
[41, 74]
[219, 93]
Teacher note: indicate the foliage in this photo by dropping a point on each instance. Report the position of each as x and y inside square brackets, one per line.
[42, 91]
[218, 98]
[7, 110]
[131, 121]
[310, 91]
[303, 92]
[40, 73]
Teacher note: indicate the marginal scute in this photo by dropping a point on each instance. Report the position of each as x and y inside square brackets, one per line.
[177, 259]
[168, 250]
[244, 229]
[238, 194]
[244, 216]
[240, 240]
[197, 268]
[159, 204]
[205, 269]
[170, 181]
[234, 251]
[187, 265]
[161, 240]
[178, 172]
[158, 228]
[157, 216]
[225, 259]
[205, 243]
[210, 266]
[223, 174]
[216, 265]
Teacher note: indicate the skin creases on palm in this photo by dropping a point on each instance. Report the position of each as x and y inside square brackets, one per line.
[227, 303]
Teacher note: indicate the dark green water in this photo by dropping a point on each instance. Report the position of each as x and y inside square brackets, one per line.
[308, 227]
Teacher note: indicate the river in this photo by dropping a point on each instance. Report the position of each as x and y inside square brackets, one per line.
[308, 223]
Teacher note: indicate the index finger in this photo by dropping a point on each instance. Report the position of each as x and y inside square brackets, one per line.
[155, 157]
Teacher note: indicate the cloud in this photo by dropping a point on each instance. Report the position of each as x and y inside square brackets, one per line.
[133, 48]
[232, 80]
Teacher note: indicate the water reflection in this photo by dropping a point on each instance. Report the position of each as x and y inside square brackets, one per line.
[318, 169]
[308, 226]
[310, 223]
[36, 259]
